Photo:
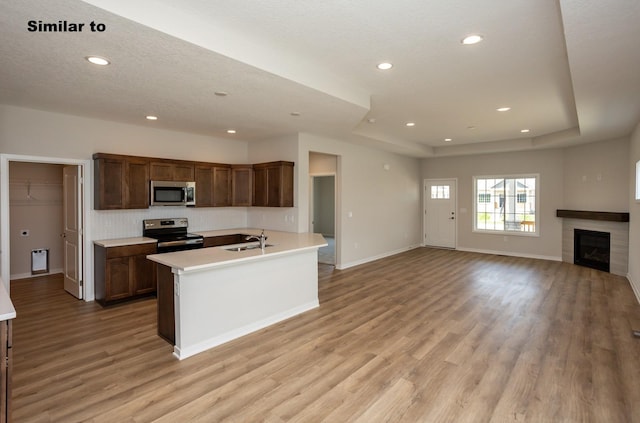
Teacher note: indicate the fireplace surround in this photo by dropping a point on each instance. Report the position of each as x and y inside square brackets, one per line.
[616, 224]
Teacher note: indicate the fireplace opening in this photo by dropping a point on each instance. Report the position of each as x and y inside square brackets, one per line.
[592, 249]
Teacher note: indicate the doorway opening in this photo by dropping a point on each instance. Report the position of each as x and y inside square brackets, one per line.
[42, 220]
[323, 203]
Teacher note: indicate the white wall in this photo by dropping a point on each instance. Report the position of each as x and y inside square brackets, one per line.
[378, 210]
[547, 163]
[322, 164]
[596, 176]
[634, 212]
[276, 218]
[39, 133]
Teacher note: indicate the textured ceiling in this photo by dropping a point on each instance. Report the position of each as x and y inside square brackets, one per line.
[568, 69]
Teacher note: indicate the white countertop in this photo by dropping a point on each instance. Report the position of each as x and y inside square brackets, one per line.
[205, 258]
[120, 242]
[7, 311]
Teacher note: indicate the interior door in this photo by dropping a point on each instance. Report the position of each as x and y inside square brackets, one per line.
[440, 213]
[72, 207]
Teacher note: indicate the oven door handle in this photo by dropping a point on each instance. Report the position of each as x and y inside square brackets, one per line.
[181, 242]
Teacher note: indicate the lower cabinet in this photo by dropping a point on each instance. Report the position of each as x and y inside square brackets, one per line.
[5, 370]
[123, 273]
[166, 312]
[219, 240]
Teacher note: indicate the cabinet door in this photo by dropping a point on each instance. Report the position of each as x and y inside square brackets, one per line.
[117, 279]
[137, 184]
[183, 172]
[242, 185]
[121, 183]
[161, 171]
[260, 187]
[221, 186]
[109, 184]
[142, 275]
[204, 186]
[172, 171]
[286, 185]
[273, 184]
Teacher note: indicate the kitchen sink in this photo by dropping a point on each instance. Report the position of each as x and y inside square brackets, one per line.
[244, 247]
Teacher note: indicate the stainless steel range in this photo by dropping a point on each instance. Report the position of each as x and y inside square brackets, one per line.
[171, 234]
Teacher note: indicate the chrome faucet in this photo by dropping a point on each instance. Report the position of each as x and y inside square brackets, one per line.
[262, 239]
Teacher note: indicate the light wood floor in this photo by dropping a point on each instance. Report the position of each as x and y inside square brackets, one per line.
[424, 336]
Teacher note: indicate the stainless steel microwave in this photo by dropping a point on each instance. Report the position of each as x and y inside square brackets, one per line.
[173, 193]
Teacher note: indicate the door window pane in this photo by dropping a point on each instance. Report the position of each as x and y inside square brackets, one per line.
[440, 192]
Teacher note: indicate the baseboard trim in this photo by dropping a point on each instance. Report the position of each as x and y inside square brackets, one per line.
[207, 344]
[344, 266]
[635, 287]
[511, 254]
[29, 275]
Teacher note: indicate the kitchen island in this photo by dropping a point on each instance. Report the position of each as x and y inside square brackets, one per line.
[209, 296]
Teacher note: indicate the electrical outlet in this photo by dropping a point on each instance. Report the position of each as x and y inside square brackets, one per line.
[24, 232]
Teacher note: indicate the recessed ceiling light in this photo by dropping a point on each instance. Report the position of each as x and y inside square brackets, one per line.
[472, 39]
[96, 60]
[151, 117]
[410, 124]
[503, 109]
[385, 66]
[221, 93]
[231, 131]
[448, 139]
[524, 131]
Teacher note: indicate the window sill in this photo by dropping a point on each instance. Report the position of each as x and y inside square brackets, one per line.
[535, 234]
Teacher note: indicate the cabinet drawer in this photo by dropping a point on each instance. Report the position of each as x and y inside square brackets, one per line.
[131, 250]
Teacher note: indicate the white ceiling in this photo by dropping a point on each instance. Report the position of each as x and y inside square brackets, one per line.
[569, 69]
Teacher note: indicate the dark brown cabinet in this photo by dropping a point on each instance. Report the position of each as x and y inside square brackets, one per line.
[171, 170]
[213, 185]
[123, 272]
[6, 368]
[218, 240]
[241, 185]
[273, 184]
[120, 182]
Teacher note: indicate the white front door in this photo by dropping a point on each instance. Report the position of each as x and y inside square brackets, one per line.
[72, 190]
[440, 213]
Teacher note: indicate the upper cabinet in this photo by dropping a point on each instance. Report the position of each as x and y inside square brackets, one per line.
[120, 182]
[171, 170]
[273, 184]
[213, 185]
[241, 185]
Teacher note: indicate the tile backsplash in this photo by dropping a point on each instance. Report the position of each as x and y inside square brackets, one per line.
[108, 224]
